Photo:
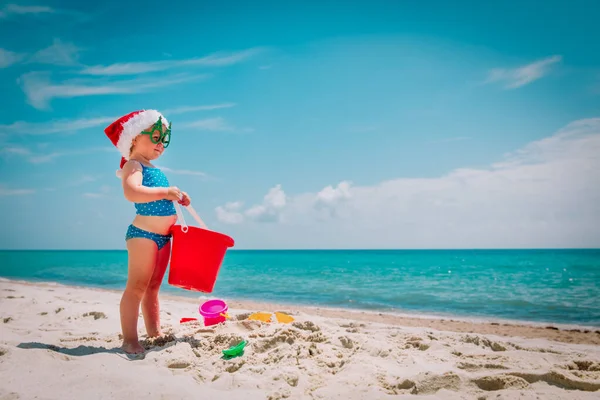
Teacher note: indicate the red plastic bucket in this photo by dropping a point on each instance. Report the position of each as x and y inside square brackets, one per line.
[196, 257]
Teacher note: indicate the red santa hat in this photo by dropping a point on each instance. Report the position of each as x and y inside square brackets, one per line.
[122, 132]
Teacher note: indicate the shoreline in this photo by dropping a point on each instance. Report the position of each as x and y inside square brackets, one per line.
[566, 333]
[399, 313]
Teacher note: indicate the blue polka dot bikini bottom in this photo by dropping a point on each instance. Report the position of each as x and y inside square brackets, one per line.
[135, 232]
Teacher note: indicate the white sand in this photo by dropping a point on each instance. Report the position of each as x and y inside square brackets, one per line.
[51, 347]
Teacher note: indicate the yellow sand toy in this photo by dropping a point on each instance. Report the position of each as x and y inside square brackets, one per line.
[266, 317]
[283, 318]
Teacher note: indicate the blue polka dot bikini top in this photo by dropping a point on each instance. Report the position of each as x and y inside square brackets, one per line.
[154, 177]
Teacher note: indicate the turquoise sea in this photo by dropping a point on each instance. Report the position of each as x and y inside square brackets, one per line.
[559, 286]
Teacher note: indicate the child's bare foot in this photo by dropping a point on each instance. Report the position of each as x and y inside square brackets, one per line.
[132, 348]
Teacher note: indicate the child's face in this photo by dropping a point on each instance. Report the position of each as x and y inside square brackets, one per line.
[149, 143]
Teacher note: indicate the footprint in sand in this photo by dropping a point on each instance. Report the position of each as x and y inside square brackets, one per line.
[520, 380]
[211, 344]
[79, 339]
[250, 325]
[241, 317]
[500, 382]
[306, 326]
[533, 349]
[288, 336]
[430, 383]
[279, 395]
[95, 314]
[417, 343]
[290, 379]
[483, 342]
[161, 341]
[346, 342]
[555, 378]
[467, 366]
[395, 385]
[353, 327]
[178, 364]
[583, 365]
[317, 337]
[205, 330]
[313, 350]
[235, 366]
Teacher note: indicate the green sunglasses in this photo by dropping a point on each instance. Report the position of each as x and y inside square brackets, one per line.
[164, 138]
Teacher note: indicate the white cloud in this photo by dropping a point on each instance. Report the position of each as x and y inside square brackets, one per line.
[48, 157]
[103, 192]
[330, 195]
[15, 9]
[184, 172]
[275, 198]
[40, 90]
[229, 213]
[73, 125]
[516, 77]
[4, 191]
[8, 58]
[546, 194]
[59, 53]
[210, 124]
[187, 109]
[15, 150]
[55, 126]
[43, 156]
[82, 181]
[216, 124]
[270, 210]
[75, 182]
[329, 198]
[134, 68]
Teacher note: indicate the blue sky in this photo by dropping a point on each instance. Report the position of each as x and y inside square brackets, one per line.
[394, 124]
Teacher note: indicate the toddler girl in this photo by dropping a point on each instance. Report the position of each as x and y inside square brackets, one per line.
[142, 136]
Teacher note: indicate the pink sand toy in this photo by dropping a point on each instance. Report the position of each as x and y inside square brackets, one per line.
[213, 311]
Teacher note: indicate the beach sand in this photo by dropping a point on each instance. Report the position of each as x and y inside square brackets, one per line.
[60, 342]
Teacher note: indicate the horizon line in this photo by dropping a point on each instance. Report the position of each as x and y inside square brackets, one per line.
[354, 249]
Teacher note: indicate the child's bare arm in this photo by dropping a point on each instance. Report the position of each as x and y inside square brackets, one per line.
[137, 193]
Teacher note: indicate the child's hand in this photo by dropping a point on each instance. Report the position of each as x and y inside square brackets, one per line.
[185, 200]
[174, 194]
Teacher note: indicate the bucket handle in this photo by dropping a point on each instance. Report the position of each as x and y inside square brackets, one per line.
[184, 226]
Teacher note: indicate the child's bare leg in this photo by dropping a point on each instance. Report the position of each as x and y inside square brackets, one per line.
[142, 260]
[150, 304]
